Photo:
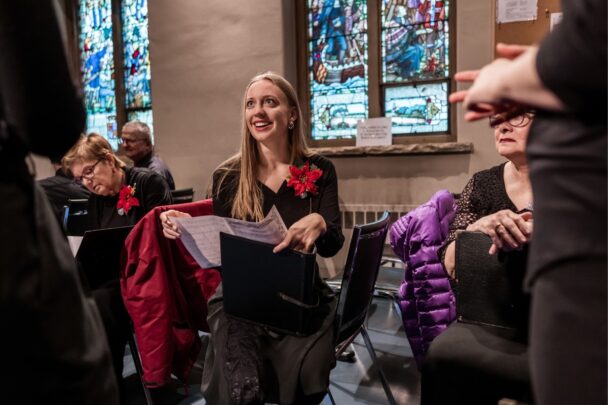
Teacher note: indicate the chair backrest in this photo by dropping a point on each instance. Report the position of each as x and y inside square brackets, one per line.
[183, 195]
[359, 278]
[75, 217]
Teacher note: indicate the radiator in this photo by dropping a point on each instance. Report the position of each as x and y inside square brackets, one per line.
[359, 214]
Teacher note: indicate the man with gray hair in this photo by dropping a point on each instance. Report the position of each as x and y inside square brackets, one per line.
[137, 146]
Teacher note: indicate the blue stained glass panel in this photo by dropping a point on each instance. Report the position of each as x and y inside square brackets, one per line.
[337, 64]
[415, 40]
[96, 47]
[136, 53]
[417, 109]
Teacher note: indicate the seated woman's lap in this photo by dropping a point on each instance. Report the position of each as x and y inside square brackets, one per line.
[469, 363]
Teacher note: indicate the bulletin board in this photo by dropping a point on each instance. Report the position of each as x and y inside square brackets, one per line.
[527, 32]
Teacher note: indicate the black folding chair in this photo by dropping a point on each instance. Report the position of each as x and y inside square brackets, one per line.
[183, 195]
[357, 290]
[75, 217]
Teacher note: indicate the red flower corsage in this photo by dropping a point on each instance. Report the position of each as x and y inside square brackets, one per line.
[126, 200]
[303, 179]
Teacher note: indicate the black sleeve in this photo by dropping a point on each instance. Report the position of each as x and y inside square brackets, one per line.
[466, 214]
[222, 200]
[571, 60]
[155, 192]
[329, 208]
[41, 98]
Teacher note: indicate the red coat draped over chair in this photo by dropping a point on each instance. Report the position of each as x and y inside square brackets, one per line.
[166, 293]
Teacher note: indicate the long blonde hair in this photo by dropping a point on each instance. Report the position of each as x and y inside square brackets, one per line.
[247, 202]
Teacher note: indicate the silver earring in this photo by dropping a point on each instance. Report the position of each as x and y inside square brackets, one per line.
[292, 125]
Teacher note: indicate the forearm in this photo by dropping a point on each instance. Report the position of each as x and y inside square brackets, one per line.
[521, 83]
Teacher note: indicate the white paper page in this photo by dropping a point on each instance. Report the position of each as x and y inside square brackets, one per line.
[374, 131]
[516, 10]
[271, 229]
[74, 242]
[201, 237]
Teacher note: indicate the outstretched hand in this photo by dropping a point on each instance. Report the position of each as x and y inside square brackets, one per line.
[303, 234]
[170, 229]
[486, 96]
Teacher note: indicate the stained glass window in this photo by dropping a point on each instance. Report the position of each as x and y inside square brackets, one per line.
[415, 40]
[99, 76]
[337, 65]
[97, 52]
[136, 56]
[416, 109]
[411, 72]
[415, 47]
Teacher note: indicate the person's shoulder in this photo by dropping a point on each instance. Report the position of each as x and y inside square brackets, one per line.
[142, 175]
[321, 162]
[490, 174]
[54, 181]
[157, 161]
[230, 169]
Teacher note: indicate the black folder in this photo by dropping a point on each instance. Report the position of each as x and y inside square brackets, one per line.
[99, 253]
[275, 290]
[489, 288]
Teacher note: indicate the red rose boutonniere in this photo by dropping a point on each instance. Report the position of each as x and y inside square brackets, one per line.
[126, 200]
[303, 179]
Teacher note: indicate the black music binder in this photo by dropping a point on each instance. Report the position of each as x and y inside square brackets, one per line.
[99, 253]
[271, 289]
[489, 288]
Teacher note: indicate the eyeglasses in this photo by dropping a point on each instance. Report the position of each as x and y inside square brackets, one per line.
[126, 141]
[516, 121]
[87, 173]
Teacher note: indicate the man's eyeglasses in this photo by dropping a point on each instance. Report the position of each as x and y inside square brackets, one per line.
[87, 173]
[126, 141]
[515, 121]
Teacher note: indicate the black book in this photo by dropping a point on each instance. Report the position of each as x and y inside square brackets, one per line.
[98, 256]
[489, 288]
[275, 290]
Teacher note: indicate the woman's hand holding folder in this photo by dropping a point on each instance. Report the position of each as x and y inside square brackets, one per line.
[303, 234]
[170, 229]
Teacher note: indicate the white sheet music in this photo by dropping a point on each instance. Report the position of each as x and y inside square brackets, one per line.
[201, 235]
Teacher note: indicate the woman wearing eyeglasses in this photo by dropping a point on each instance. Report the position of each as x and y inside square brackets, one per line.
[121, 196]
[498, 201]
[471, 364]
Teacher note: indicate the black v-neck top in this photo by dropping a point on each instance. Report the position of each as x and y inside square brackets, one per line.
[483, 195]
[290, 207]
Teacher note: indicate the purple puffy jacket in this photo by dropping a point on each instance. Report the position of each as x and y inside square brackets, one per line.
[425, 297]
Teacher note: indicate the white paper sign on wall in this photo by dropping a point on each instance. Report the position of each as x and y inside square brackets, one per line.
[374, 132]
